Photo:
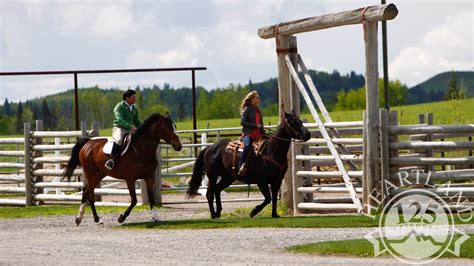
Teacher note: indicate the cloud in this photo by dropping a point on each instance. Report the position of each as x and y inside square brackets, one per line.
[184, 54]
[105, 19]
[442, 49]
[33, 87]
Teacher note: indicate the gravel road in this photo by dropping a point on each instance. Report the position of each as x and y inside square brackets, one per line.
[56, 240]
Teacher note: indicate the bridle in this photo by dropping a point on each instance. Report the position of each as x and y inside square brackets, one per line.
[291, 128]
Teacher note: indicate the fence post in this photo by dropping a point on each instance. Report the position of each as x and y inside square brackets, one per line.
[38, 141]
[365, 179]
[83, 129]
[95, 130]
[372, 122]
[296, 181]
[28, 183]
[285, 101]
[307, 180]
[158, 180]
[393, 121]
[384, 152]
[429, 137]
[205, 180]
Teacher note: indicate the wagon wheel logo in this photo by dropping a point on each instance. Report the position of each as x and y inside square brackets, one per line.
[416, 226]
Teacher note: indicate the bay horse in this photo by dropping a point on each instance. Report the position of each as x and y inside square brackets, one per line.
[139, 162]
[264, 170]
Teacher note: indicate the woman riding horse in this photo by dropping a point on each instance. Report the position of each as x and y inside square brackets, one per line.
[269, 168]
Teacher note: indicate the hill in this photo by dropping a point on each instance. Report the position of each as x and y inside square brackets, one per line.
[96, 104]
[435, 88]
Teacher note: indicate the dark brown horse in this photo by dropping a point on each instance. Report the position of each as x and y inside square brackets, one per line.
[139, 162]
[268, 169]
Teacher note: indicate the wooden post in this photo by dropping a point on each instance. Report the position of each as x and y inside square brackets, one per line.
[384, 153]
[283, 75]
[365, 180]
[294, 91]
[158, 179]
[284, 104]
[95, 130]
[393, 121]
[297, 182]
[83, 129]
[28, 162]
[38, 141]
[372, 123]
[429, 137]
[308, 180]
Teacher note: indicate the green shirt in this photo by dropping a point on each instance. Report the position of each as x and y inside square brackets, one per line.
[124, 117]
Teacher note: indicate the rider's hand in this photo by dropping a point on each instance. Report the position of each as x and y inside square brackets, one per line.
[259, 125]
[133, 130]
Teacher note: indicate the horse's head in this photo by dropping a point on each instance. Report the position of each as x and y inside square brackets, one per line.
[161, 127]
[295, 128]
[169, 133]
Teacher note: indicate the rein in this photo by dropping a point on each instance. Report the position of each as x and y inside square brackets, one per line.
[284, 139]
[280, 166]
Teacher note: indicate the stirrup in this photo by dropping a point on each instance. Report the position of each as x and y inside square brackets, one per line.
[109, 164]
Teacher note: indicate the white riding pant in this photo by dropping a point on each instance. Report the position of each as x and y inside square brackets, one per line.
[118, 133]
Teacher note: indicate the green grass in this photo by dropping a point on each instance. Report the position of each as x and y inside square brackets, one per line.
[260, 222]
[54, 210]
[445, 112]
[363, 248]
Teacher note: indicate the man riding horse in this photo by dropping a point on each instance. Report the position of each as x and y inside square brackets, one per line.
[126, 121]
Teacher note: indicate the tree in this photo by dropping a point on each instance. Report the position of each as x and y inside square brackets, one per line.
[453, 90]
[48, 117]
[19, 118]
[7, 108]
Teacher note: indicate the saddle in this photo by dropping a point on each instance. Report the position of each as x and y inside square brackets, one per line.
[235, 148]
[107, 149]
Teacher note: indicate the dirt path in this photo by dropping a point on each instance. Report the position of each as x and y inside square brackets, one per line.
[56, 240]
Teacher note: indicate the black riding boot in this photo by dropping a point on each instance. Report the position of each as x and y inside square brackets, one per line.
[243, 161]
[115, 152]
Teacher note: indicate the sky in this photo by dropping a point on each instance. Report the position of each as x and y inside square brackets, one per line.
[426, 38]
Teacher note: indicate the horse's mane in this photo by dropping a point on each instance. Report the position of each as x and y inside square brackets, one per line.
[148, 123]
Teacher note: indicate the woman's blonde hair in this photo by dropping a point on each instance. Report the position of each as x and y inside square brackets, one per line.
[248, 100]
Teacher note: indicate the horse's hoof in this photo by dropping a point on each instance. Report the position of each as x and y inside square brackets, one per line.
[99, 223]
[275, 216]
[78, 221]
[253, 213]
[121, 219]
[156, 220]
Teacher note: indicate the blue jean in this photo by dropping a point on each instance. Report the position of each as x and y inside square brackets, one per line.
[247, 140]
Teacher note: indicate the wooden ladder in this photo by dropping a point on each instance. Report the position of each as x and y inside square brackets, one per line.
[322, 127]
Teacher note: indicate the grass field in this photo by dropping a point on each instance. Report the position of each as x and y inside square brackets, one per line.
[446, 112]
[364, 248]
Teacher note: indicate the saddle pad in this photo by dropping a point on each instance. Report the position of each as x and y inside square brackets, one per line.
[107, 149]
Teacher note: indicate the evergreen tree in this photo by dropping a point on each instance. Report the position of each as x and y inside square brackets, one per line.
[48, 117]
[7, 108]
[19, 118]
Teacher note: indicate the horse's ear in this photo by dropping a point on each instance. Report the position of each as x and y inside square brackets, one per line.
[283, 113]
[167, 114]
[293, 112]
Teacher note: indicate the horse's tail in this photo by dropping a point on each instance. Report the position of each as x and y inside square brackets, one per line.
[74, 161]
[198, 173]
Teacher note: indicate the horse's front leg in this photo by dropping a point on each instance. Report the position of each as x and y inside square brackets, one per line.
[263, 186]
[225, 182]
[133, 197]
[150, 185]
[275, 188]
